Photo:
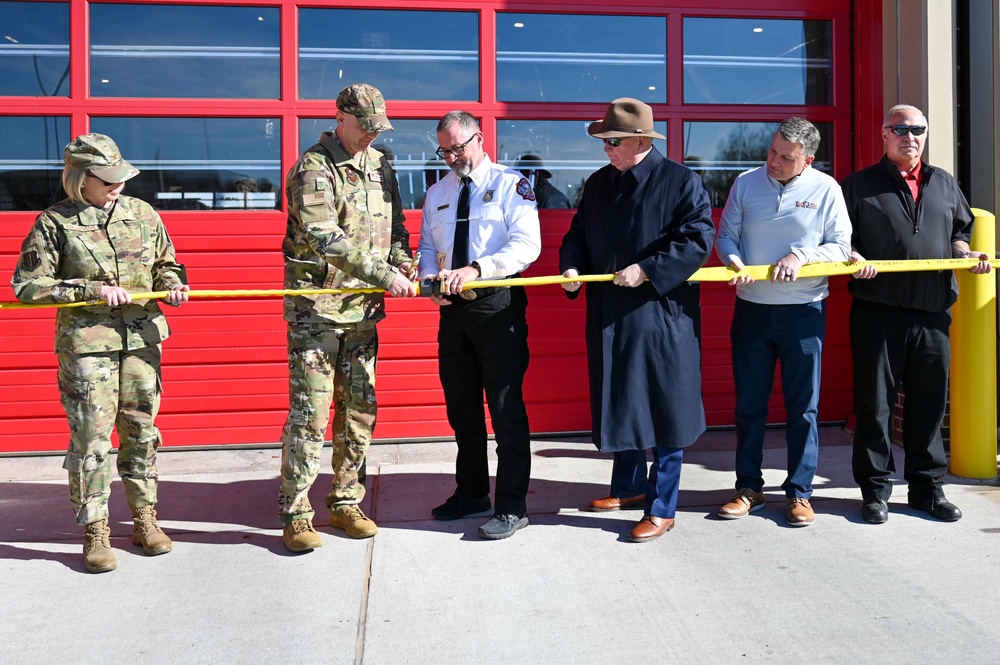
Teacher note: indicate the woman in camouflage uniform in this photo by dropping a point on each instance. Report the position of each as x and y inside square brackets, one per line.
[99, 246]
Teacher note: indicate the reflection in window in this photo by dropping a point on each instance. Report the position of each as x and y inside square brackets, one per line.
[184, 51]
[405, 54]
[559, 153]
[200, 163]
[31, 161]
[757, 61]
[720, 151]
[34, 49]
[410, 149]
[568, 58]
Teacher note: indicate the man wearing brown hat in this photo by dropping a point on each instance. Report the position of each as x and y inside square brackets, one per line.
[648, 220]
[345, 230]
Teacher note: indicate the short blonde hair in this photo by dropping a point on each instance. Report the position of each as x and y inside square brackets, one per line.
[72, 181]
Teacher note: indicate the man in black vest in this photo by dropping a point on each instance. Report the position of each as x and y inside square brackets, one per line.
[904, 208]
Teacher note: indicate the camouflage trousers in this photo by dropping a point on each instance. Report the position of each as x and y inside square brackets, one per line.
[100, 391]
[326, 366]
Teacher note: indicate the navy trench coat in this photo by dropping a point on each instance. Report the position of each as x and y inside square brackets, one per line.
[643, 343]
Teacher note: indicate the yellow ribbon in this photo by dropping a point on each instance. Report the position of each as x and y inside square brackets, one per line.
[716, 274]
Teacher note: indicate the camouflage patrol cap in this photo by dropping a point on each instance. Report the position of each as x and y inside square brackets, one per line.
[365, 103]
[98, 155]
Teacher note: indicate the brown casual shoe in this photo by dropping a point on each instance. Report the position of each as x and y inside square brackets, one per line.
[147, 532]
[611, 503]
[350, 518]
[650, 527]
[744, 502]
[800, 513]
[98, 557]
[300, 536]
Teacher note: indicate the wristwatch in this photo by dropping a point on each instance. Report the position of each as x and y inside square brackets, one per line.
[475, 264]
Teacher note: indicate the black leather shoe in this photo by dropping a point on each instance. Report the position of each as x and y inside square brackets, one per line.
[937, 507]
[875, 512]
[457, 507]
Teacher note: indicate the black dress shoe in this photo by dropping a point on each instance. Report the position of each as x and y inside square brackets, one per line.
[875, 512]
[937, 507]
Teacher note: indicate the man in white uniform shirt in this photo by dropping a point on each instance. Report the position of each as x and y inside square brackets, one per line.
[481, 222]
[787, 214]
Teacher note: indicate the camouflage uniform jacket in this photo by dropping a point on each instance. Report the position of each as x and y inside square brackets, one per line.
[74, 249]
[345, 230]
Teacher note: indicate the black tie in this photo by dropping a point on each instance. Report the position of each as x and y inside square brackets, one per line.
[460, 250]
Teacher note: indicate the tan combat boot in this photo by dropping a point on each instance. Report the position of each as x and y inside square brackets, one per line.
[98, 556]
[351, 519]
[300, 536]
[148, 533]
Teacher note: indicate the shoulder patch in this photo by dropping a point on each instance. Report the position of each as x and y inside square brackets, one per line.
[524, 190]
[314, 199]
[30, 261]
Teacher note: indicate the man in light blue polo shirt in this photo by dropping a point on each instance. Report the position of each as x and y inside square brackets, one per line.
[787, 214]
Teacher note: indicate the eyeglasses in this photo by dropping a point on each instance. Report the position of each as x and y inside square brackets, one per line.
[901, 130]
[106, 183]
[614, 143]
[457, 151]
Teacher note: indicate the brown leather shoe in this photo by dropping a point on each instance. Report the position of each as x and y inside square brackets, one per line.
[800, 513]
[650, 527]
[612, 503]
[744, 502]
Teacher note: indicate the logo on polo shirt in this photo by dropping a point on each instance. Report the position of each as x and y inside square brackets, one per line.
[807, 204]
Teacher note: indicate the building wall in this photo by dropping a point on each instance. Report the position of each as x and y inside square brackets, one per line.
[224, 367]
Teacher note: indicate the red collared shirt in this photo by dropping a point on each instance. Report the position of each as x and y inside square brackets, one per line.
[912, 180]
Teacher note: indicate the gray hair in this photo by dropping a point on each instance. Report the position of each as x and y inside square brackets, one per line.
[72, 181]
[799, 130]
[901, 108]
[462, 118]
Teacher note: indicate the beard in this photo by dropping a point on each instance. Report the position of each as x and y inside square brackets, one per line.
[461, 168]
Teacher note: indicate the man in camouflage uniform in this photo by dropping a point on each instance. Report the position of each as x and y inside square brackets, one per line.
[345, 229]
[99, 246]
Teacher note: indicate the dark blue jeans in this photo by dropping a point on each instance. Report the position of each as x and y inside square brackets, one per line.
[761, 336]
[661, 485]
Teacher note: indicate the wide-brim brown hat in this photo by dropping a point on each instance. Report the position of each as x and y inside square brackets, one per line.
[625, 118]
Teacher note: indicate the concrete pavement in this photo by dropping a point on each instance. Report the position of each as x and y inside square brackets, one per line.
[568, 589]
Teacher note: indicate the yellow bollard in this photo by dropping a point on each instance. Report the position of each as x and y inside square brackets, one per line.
[974, 363]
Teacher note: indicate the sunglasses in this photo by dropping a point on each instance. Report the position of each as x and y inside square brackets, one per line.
[106, 183]
[614, 143]
[901, 130]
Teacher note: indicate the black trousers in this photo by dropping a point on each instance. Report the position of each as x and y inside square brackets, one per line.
[483, 346]
[893, 346]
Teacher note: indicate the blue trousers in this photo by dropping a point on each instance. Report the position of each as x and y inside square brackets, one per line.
[660, 485]
[762, 335]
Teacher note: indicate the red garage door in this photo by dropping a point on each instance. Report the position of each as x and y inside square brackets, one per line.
[214, 118]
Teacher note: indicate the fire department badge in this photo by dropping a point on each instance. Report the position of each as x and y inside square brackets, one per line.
[488, 196]
[442, 258]
[524, 190]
